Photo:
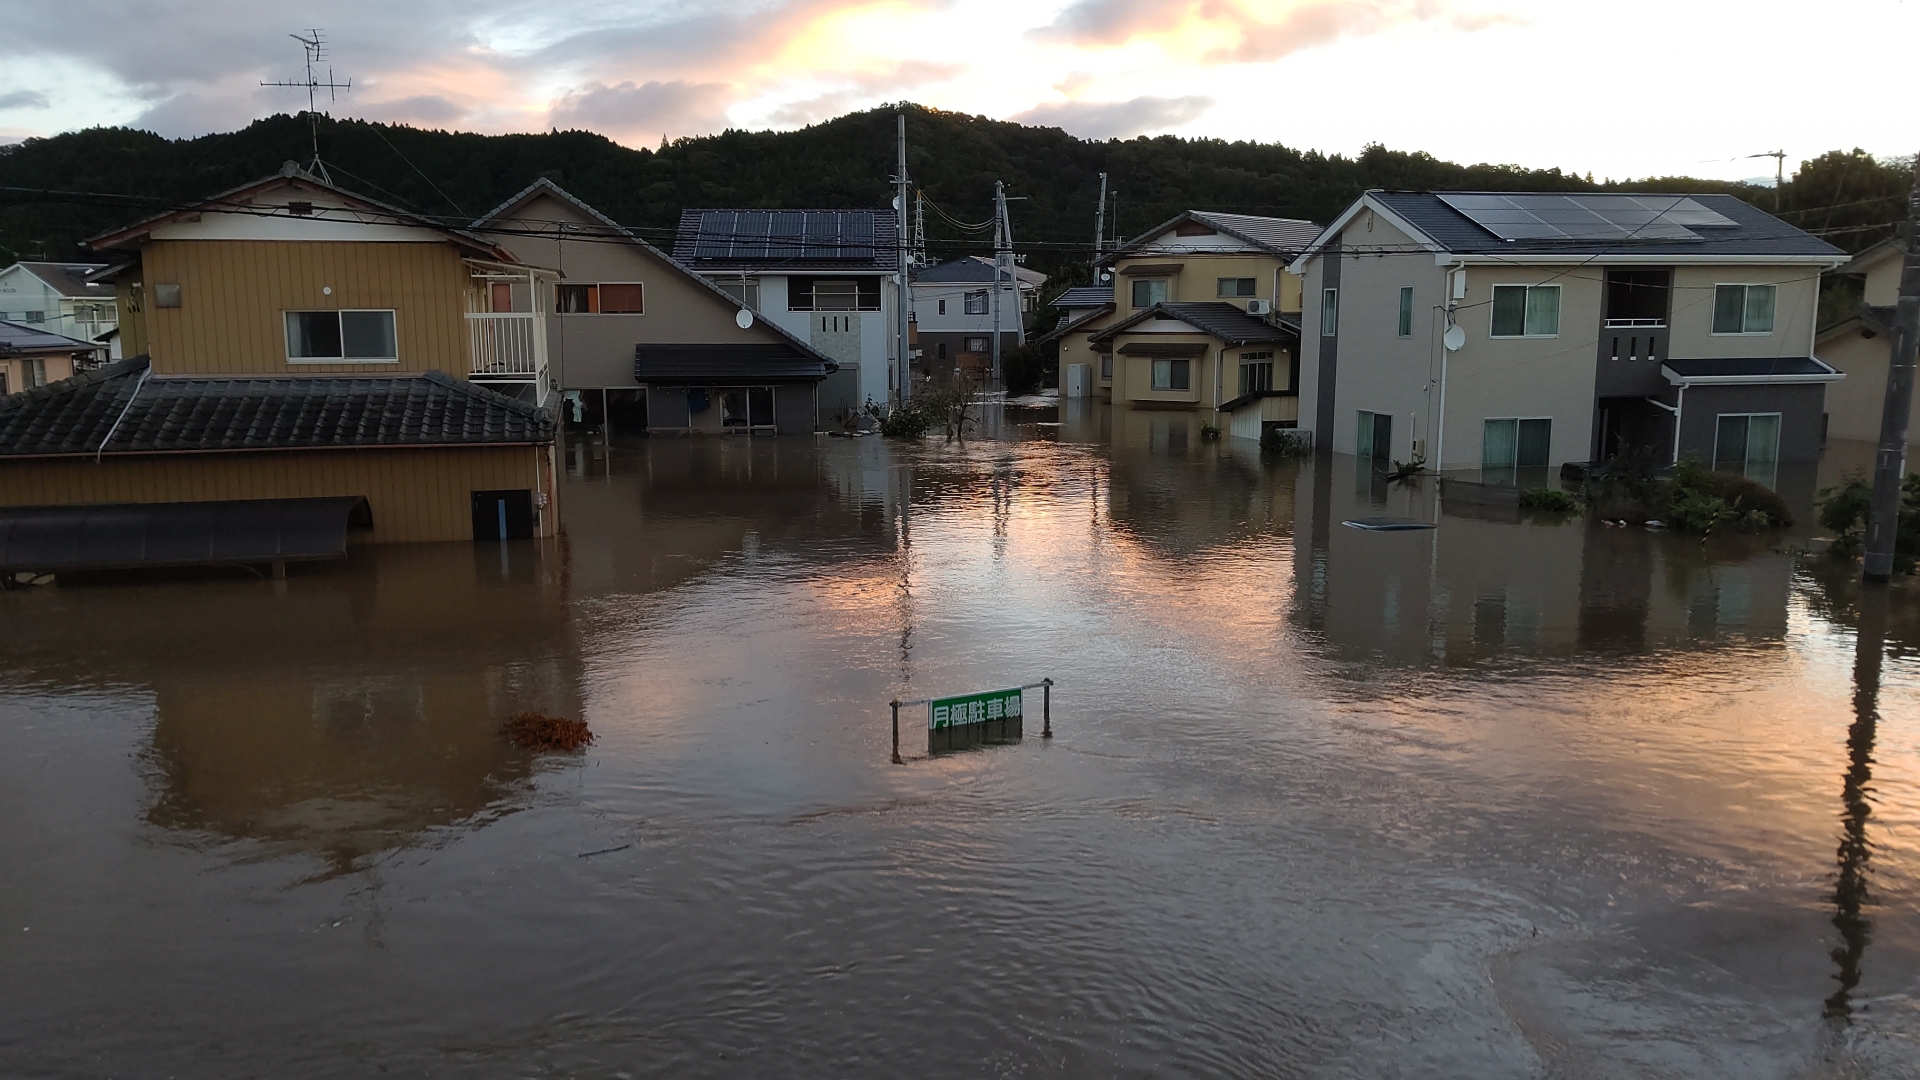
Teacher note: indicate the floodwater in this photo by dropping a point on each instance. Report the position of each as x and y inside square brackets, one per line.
[1500, 799]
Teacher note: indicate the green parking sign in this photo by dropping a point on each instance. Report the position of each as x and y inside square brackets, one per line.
[994, 705]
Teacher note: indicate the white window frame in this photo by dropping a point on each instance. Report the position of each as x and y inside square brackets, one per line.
[1714, 308]
[1403, 327]
[1493, 299]
[1329, 312]
[288, 341]
[596, 285]
[977, 303]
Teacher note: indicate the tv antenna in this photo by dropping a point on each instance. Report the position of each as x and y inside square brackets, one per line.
[314, 43]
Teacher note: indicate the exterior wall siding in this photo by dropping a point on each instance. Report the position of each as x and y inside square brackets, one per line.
[234, 292]
[1551, 377]
[415, 494]
[1800, 407]
[1855, 403]
[1796, 306]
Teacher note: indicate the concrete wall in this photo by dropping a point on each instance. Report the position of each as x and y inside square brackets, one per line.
[415, 494]
[1855, 403]
[234, 293]
[1796, 303]
[1800, 408]
[1379, 371]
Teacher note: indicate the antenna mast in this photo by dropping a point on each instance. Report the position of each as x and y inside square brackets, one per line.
[919, 228]
[314, 44]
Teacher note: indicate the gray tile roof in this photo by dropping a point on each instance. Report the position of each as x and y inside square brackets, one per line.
[1230, 324]
[696, 365]
[70, 279]
[972, 268]
[1085, 296]
[1754, 232]
[16, 337]
[849, 241]
[159, 414]
[1289, 236]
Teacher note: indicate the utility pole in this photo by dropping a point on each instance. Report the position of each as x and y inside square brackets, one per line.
[1100, 223]
[1002, 261]
[904, 375]
[919, 228]
[1779, 172]
[1889, 467]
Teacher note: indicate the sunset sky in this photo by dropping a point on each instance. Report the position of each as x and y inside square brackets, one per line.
[1622, 88]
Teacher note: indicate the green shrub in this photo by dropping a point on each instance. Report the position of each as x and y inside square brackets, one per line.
[1700, 501]
[1209, 433]
[1285, 442]
[1844, 511]
[1548, 500]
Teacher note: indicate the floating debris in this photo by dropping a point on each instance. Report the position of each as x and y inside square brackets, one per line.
[1385, 524]
[540, 732]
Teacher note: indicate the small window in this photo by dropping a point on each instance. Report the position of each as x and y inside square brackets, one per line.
[1236, 286]
[1329, 312]
[1526, 310]
[1172, 374]
[299, 208]
[943, 345]
[36, 316]
[1511, 443]
[36, 372]
[1406, 311]
[352, 336]
[943, 307]
[977, 344]
[1743, 309]
[1106, 367]
[607, 298]
[1148, 292]
[977, 303]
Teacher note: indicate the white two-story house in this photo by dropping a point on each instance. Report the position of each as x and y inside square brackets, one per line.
[58, 298]
[1507, 331]
[830, 278]
[956, 316]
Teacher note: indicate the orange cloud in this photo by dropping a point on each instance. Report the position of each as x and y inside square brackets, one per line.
[1251, 31]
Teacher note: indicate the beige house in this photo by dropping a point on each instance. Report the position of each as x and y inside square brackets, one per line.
[1861, 346]
[1199, 257]
[304, 366]
[31, 356]
[1503, 332]
[637, 341]
[1240, 369]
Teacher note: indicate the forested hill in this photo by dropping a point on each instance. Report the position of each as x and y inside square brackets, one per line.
[954, 158]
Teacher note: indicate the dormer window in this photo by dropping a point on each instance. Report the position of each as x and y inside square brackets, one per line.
[300, 209]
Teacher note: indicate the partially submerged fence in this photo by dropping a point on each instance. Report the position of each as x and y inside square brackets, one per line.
[995, 716]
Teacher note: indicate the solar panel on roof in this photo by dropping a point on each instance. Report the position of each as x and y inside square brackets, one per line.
[1585, 217]
[776, 235]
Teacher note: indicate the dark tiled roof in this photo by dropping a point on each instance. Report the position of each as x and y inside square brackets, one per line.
[849, 241]
[1222, 320]
[70, 279]
[1781, 367]
[160, 414]
[716, 364]
[1754, 231]
[18, 337]
[1073, 323]
[1085, 296]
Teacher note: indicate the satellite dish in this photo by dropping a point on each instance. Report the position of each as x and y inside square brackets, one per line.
[743, 319]
[1455, 337]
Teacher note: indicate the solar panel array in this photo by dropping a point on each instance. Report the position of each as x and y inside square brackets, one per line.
[1587, 217]
[783, 235]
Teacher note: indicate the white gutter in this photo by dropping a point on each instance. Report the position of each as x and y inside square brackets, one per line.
[1684, 381]
[1629, 258]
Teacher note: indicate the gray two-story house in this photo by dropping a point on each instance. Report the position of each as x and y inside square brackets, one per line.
[1503, 331]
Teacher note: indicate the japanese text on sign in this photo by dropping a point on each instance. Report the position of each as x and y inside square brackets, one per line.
[973, 708]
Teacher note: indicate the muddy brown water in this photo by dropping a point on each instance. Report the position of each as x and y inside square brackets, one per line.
[1508, 798]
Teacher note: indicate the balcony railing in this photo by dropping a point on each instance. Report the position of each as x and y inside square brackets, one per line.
[504, 345]
[1617, 324]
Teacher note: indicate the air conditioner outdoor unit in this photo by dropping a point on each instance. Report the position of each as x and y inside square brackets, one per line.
[1258, 307]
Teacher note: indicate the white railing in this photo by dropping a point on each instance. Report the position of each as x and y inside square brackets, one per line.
[504, 345]
[1642, 324]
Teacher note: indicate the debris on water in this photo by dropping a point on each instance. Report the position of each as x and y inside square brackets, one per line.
[1385, 524]
[540, 732]
[1656, 524]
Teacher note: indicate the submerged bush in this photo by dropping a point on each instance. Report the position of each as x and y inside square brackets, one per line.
[1285, 442]
[1844, 511]
[1701, 501]
[1548, 500]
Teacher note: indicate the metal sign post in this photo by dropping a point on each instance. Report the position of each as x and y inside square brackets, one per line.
[994, 716]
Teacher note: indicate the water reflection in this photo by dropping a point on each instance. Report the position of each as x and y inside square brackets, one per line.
[340, 713]
[1850, 893]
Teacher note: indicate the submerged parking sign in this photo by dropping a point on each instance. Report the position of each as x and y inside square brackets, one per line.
[973, 708]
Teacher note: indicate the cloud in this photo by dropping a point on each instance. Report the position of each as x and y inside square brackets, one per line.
[633, 113]
[24, 99]
[864, 90]
[1245, 31]
[1117, 119]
